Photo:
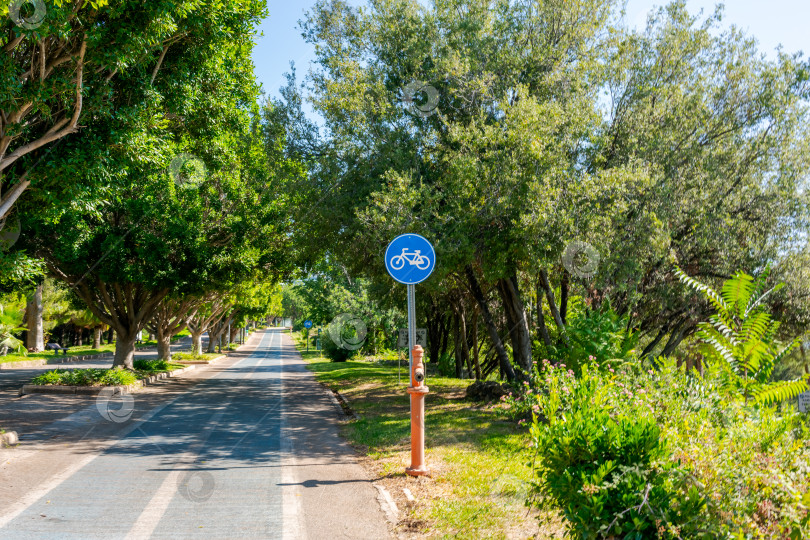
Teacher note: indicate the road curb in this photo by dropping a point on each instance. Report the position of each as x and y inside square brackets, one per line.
[389, 507]
[95, 390]
[9, 439]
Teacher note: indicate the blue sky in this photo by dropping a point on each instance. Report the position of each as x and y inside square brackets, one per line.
[772, 22]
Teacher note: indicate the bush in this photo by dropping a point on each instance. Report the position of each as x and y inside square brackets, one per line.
[636, 453]
[151, 365]
[86, 377]
[50, 377]
[116, 377]
[447, 365]
[599, 335]
[335, 352]
[606, 466]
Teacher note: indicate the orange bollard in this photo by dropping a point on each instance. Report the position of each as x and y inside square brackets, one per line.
[418, 391]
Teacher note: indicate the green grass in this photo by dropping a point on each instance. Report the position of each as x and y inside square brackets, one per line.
[479, 461]
[180, 356]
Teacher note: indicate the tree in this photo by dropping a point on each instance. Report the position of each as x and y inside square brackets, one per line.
[62, 72]
[154, 234]
[171, 318]
[517, 155]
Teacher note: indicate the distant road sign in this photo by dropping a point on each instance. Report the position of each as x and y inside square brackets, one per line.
[804, 402]
[410, 259]
[307, 324]
[421, 338]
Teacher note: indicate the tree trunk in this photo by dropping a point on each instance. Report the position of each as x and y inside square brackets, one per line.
[445, 331]
[213, 340]
[476, 348]
[459, 339]
[541, 317]
[678, 335]
[125, 350]
[434, 332]
[214, 333]
[35, 340]
[564, 296]
[518, 322]
[500, 350]
[79, 334]
[552, 303]
[97, 337]
[196, 343]
[164, 348]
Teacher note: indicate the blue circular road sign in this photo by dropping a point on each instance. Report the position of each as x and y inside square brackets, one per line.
[307, 324]
[410, 259]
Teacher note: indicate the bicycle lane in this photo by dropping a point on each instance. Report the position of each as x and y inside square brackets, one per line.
[207, 465]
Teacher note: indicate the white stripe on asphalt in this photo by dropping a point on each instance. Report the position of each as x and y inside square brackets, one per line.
[153, 512]
[292, 506]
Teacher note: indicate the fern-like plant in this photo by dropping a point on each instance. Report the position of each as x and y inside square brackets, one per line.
[740, 338]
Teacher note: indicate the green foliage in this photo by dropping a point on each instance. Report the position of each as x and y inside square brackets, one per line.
[117, 376]
[447, 365]
[605, 465]
[599, 336]
[740, 338]
[11, 320]
[710, 467]
[86, 377]
[336, 351]
[151, 365]
[327, 295]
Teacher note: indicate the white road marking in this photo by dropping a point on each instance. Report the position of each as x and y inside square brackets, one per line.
[153, 512]
[292, 520]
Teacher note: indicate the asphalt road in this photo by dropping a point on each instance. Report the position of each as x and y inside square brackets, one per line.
[244, 449]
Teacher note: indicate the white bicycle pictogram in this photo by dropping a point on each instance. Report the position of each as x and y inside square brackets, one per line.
[422, 262]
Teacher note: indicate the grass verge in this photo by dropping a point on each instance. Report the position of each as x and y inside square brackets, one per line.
[187, 356]
[479, 462]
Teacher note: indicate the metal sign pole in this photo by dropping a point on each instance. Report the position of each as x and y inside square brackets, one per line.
[411, 324]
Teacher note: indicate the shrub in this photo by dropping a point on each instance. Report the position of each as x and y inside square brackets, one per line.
[335, 352]
[151, 365]
[115, 377]
[597, 334]
[447, 365]
[606, 466]
[86, 377]
[49, 377]
[636, 453]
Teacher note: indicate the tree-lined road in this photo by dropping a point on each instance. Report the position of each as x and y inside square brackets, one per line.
[245, 449]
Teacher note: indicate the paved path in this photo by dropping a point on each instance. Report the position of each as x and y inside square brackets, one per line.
[244, 449]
